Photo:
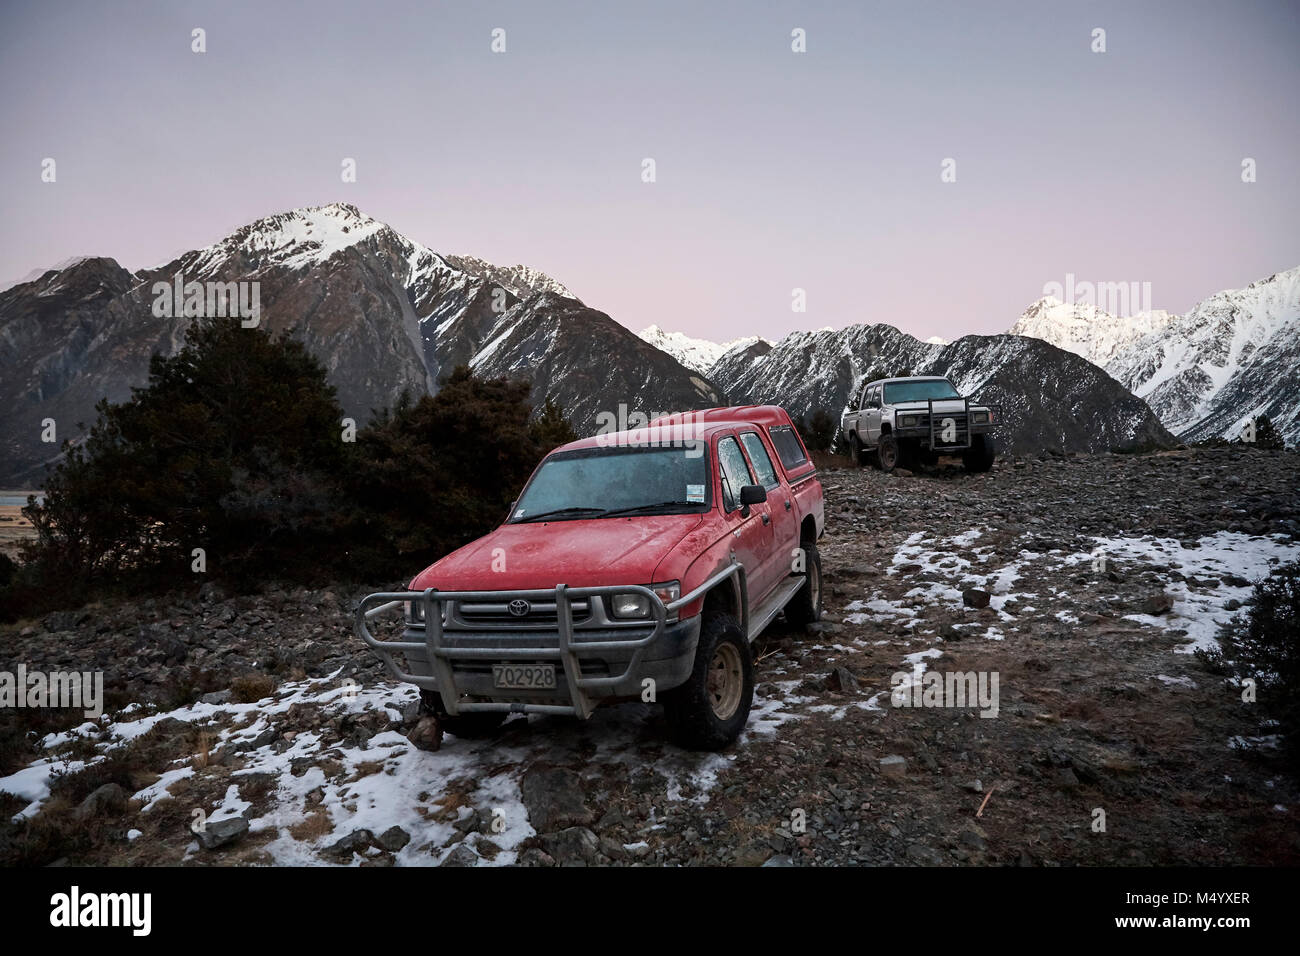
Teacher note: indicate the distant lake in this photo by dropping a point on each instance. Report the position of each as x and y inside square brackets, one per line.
[18, 500]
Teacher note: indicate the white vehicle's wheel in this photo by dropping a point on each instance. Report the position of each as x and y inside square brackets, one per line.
[856, 450]
[887, 453]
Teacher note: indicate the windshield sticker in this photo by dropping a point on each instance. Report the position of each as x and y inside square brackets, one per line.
[519, 513]
[695, 494]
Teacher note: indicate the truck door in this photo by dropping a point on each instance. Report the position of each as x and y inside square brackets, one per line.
[751, 537]
[780, 502]
[871, 415]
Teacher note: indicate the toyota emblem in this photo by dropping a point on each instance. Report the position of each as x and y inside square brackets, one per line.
[519, 607]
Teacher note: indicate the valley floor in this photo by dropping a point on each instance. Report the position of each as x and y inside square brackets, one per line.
[1101, 573]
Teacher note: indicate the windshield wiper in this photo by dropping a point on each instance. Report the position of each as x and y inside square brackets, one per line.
[659, 504]
[557, 511]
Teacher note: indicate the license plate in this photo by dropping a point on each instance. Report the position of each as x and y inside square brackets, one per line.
[524, 676]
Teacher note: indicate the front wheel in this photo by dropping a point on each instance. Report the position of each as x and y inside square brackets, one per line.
[887, 453]
[474, 726]
[979, 457]
[806, 606]
[710, 710]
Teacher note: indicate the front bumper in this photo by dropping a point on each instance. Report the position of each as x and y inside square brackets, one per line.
[932, 427]
[593, 663]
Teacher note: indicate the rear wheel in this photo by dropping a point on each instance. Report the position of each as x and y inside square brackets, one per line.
[710, 710]
[806, 606]
[979, 457]
[473, 726]
[856, 450]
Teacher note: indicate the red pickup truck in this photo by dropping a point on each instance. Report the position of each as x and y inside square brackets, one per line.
[634, 565]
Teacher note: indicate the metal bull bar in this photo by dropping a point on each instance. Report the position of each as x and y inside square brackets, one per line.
[964, 412]
[566, 650]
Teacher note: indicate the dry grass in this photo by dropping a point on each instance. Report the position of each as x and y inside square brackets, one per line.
[251, 688]
[312, 827]
[365, 769]
[204, 755]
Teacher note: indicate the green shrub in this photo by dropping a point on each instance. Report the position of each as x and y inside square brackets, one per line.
[1263, 644]
[231, 447]
[235, 446]
[433, 475]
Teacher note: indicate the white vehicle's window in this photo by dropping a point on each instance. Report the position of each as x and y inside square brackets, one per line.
[919, 391]
[735, 473]
[607, 482]
[758, 457]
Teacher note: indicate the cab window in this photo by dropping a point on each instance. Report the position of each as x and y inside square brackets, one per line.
[788, 447]
[759, 458]
[733, 471]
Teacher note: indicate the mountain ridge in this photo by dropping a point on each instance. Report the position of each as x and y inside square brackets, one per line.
[1231, 357]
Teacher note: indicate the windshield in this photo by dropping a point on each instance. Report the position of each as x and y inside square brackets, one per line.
[937, 388]
[599, 482]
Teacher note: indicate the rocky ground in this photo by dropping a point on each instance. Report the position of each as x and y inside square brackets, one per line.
[255, 730]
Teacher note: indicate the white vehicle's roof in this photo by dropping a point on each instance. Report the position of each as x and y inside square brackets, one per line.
[910, 378]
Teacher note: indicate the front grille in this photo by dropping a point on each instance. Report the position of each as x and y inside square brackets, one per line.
[961, 436]
[541, 614]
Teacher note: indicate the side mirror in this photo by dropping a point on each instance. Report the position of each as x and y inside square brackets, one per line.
[751, 495]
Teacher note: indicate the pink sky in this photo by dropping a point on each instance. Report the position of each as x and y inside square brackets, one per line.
[775, 170]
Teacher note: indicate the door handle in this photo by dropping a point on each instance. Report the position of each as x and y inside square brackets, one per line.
[767, 518]
[787, 504]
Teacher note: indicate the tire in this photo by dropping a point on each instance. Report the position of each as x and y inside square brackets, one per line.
[887, 453]
[855, 449]
[466, 726]
[710, 710]
[806, 606]
[979, 457]
[908, 452]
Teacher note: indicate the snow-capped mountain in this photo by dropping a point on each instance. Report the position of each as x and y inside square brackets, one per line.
[519, 279]
[1050, 398]
[383, 313]
[1087, 330]
[1234, 356]
[698, 354]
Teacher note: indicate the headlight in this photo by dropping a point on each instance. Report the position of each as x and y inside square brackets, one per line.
[981, 418]
[638, 605]
[414, 612]
[909, 421]
[630, 605]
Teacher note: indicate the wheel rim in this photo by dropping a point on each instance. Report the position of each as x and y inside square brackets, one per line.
[726, 678]
[888, 455]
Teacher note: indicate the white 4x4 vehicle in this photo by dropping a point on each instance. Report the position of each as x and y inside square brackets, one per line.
[899, 421]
